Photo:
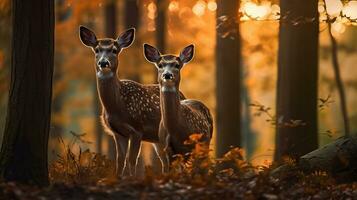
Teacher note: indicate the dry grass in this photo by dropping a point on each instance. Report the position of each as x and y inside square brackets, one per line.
[194, 176]
[83, 168]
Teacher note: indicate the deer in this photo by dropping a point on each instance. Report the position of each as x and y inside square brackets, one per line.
[179, 117]
[130, 110]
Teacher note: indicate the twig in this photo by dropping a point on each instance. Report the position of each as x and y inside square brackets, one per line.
[338, 78]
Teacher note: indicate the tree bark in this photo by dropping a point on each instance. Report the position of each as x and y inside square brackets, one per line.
[248, 134]
[228, 81]
[132, 15]
[110, 13]
[161, 25]
[132, 19]
[23, 155]
[297, 79]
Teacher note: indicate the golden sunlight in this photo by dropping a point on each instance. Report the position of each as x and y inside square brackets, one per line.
[350, 10]
[152, 10]
[174, 6]
[212, 5]
[199, 8]
[333, 7]
[338, 28]
[255, 11]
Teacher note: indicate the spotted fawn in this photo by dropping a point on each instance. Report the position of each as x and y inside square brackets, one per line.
[179, 118]
[131, 111]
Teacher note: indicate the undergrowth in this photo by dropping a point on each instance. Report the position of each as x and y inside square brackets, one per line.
[198, 176]
[83, 168]
[197, 168]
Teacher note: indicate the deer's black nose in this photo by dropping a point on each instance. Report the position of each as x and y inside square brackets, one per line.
[167, 76]
[103, 63]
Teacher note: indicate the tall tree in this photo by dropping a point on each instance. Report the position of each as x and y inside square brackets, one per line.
[248, 134]
[162, 6]
[228, 80]
[132, 14]
[132, 19]
[23, 155]
[297, 79]
[160, 26]
[110, 16]
[338, 78]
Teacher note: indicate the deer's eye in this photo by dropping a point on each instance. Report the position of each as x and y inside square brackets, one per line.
[177, 66]
[115, 51]
[96, 50]
[160, 66]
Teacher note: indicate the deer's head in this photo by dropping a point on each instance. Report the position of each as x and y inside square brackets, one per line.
[106, 50]
[168, 66]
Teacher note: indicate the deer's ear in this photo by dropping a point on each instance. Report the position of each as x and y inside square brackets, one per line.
[187, 53]
[87, 37]
[126, 38]
[151, 53]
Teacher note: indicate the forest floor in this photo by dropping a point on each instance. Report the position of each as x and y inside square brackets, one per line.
[259, 187]
[90, 176]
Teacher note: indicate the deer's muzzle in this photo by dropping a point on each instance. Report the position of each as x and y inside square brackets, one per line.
[167, 76]
[103, 64]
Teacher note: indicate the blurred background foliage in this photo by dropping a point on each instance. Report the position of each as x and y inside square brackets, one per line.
[75, 101]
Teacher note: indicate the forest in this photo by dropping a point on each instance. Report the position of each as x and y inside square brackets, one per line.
[178, 99]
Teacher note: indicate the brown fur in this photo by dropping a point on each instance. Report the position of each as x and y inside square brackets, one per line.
[179, 118]
[131, 111]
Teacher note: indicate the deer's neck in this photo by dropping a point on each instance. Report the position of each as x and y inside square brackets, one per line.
[170, 107]
[109, 93]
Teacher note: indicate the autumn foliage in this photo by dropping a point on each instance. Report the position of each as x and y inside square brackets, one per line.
[193, 176]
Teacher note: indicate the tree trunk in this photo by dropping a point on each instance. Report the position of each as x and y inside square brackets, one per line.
[162, 6]
[228, 81]
[338, 78]
[132, 14]
[23, 155]
[297, 79]
[248, 134]
[160, 23]
[110, 13]
[132, 19]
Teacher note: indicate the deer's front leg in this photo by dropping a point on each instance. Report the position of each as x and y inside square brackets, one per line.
[133, 153]
[163, 156]
[121, 146]
[162, 149]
